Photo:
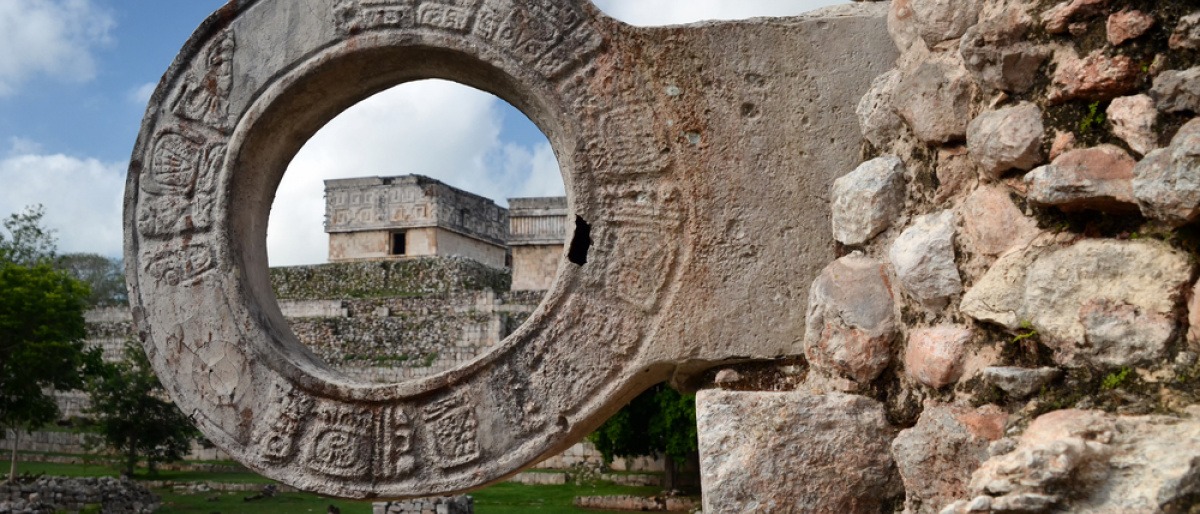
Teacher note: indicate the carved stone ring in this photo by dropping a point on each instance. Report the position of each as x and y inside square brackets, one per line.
[697, 161]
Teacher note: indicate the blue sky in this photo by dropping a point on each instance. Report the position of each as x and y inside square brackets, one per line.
[75, 76]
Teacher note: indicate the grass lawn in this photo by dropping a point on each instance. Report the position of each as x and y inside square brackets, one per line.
[503, 498]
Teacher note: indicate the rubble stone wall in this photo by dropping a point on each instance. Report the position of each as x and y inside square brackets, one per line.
[1016, 290]
[54, 494]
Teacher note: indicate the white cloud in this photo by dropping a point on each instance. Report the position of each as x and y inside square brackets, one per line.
[51, 37]
[642, 12]
[82, 198]
[140, 95]
[435, 128]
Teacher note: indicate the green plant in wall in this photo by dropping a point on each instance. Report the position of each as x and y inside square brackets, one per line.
[1115, 379]
[1093, 119]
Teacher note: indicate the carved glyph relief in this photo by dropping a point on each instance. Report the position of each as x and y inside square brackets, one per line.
[454, 429]
[340, 440]
[204, 95]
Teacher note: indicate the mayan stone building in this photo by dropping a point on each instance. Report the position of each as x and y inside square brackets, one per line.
[375, 218]
[537, 229]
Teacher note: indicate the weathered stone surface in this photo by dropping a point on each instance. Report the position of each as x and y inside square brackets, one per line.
[793, 452]
[1126, 25]
[1187, 33]
[1132, 119]
[1081, 297]
[1096, 77]
[1064, 141]
[956, 173]
[996, 50]
[923, 257]
[1058, 19]
[1167, 182]
[867, 200]
[901, 25]
[1177, 90]
[937, 456]
[1089, 461]
[664, 205]
[941, 20]
[992, 224]
[1091, 178]
[934, 355]
[935, 101]
[1007, 138]
[1020, 382]
[1193, 334]
[851, 320]
[876, 114]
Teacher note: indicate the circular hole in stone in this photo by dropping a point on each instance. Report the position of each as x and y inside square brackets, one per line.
[415, 231]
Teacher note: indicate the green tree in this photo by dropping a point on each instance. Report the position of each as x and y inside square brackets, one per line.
[27, 242]
[105, 277]
[133, 415]
[660, 421]
[41, 345]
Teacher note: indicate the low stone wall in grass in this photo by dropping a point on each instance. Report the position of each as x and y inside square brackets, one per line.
[637, 503]
[442, 505]
[56, 494]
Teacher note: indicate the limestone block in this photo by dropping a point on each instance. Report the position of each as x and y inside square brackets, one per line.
[998, 52]
[902, 26]
[794, 452]
[1132, 119]
[1187, 33]
[1020, 382]
[934, 355]
[876, 113]
[923, 258]
[1007, 138]
[1193, 335]
[1057, 19]
[935, 101]
[1091, 178]
[1167, 182]
[851, 320]
[1096, 77]
[867, 200]
[941, 20]
[1089, 461]
[937, 456]
[992, 224]
[1087, 301]
[1125, 25]
[1177, 90]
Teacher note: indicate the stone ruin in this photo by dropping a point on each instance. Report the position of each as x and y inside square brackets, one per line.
[965, 229]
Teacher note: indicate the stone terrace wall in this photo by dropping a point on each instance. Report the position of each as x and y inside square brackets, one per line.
[52, 494]
[387, 279]
[1016, 300]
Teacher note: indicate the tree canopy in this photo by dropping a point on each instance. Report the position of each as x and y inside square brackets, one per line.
[134, 416]
[41, 327]
[660, 421]
[105, 276]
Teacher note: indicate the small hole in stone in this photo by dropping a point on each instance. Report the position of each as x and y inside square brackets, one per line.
[581, 243]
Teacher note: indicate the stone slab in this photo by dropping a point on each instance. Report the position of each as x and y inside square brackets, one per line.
[697, 162]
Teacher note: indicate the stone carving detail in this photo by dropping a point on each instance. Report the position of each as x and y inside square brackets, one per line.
[444, 16]
[179, 186]
[353, 16]
[180, 266]
[340, 441]
[395, 437]
[643, 258]
[204, 96]
[624, 143]
[287, 416]
[547, 34]
[454, 429]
